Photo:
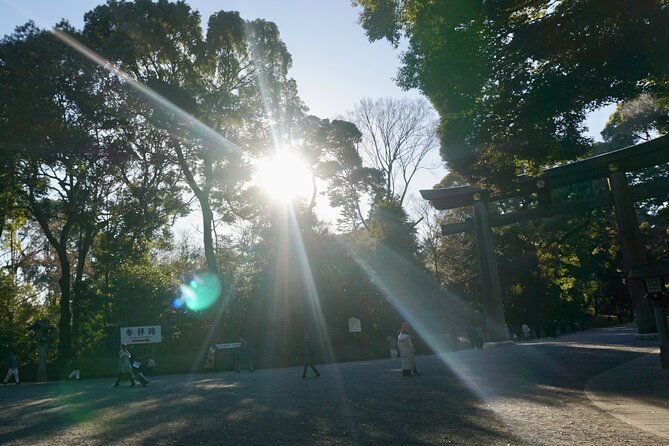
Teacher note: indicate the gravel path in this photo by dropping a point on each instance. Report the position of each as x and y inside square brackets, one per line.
[526, 394]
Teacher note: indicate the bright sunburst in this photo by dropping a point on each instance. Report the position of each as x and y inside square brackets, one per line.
[284, 177]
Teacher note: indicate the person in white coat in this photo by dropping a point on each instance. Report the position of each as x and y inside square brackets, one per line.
[12, 369]
[407, 351]
[124, 367]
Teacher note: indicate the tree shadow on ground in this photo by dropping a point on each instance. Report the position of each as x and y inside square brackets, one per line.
[354, 403]
[349, 404]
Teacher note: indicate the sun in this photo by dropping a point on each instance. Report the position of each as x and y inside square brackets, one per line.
[285, 177]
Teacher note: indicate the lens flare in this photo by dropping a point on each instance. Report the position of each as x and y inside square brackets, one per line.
[200, 293]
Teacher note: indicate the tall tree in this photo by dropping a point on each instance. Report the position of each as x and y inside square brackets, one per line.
[331, 149]
[397, 137]
[512, 81]
[50, 125]
[634, 121]
[231, 86]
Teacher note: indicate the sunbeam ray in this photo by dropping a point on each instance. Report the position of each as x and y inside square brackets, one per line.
[210, 136]
[277, 134]
[295, 255]
[409, 301]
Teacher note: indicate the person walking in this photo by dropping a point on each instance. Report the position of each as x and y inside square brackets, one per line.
[124, 367]
[407, 351]
[12, 369]
[479, 338]
[307, 357]
[244, 356]
[210, 364]
[74, 366]
[476, 337]
[526, 332]
[150, 366]
[392, 346]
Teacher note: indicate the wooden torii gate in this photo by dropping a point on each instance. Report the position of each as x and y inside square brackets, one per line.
[620, 195]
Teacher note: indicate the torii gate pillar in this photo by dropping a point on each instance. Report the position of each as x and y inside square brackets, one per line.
[634, 253]
[492, 293]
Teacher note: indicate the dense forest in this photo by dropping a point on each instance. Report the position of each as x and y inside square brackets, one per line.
[111, 133]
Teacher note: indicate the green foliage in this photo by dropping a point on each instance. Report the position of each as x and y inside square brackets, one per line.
[17, 313]
[513, 81]
[634, 121]
[390, 226]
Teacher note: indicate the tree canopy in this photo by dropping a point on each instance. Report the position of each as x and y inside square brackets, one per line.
[129, 121]
[513, 80]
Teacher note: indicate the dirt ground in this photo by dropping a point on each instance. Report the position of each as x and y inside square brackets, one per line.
[526, 394]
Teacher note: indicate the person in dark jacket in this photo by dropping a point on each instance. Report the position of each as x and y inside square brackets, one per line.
[244, 362]
[307, 357]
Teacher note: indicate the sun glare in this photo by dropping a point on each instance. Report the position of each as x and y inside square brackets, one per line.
[284, 177]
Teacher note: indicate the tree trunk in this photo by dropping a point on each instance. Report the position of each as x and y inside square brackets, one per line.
[202, 196]
[65, 321]
[64, 324]
[207, 229]
[85, 241]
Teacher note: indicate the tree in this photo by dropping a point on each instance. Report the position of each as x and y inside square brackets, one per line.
[634, 121]
[17, 311]
[397, 136]
[513, 81]
[226, 90]
[51, 127]
[332, 151]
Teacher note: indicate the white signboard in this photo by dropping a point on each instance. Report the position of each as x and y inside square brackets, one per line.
[147, 334]
[354, 325]
[228, 345]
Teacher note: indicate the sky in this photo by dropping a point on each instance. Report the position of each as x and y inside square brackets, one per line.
[334, 64]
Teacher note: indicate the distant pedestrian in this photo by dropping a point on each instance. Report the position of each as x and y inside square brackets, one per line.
[392, 346]
[150, 366]
[74, 367]
[244, 362]
[526, 332]
[12, 368]
[510, 332]
[124, 367]
[210, 363]
[407, 351]
[476, 337]
[307, 357]
[479, 338]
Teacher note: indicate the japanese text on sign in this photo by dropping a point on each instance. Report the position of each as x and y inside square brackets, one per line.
[147, 334]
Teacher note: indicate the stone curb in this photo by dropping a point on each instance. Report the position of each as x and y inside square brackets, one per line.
[497, 344]
[636, 392]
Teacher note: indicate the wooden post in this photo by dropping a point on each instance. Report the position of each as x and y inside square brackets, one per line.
[492, 292]
[632, 248]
